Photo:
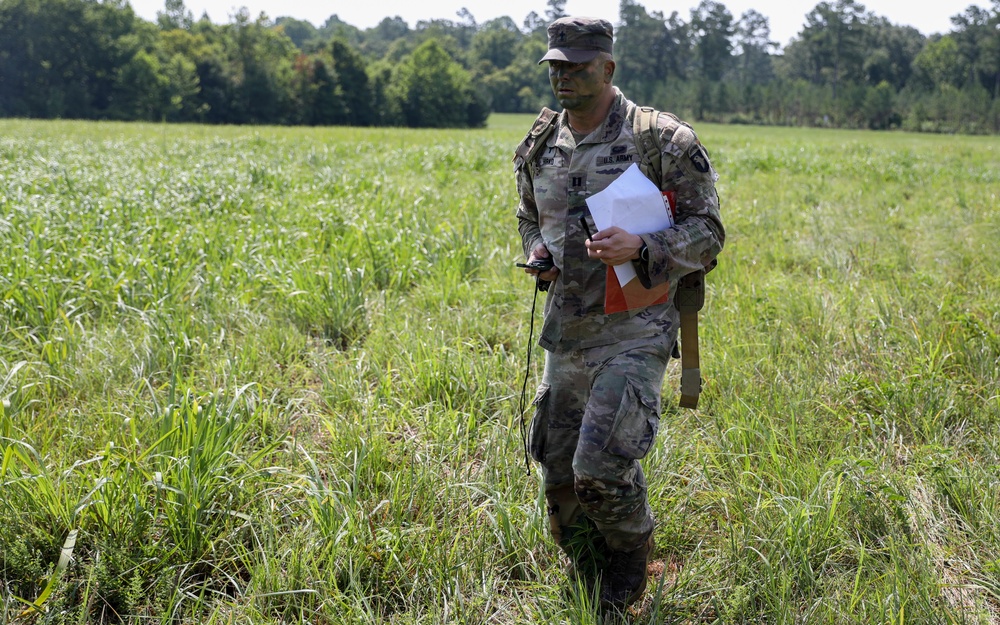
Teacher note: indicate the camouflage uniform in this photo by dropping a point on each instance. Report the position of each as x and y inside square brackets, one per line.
[597, 409]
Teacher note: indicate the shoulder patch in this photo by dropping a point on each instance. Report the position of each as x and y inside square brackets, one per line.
[699, 158]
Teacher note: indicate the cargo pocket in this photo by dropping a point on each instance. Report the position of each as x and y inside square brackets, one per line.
[539, 428]
[635, 426]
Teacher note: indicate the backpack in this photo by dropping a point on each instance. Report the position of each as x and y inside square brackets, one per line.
[690, 295]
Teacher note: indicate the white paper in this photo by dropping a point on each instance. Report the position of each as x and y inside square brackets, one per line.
[633, 203]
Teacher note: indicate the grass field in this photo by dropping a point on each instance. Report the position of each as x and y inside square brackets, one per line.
[271, 375]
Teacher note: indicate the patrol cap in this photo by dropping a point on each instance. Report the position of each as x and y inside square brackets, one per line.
[578, 39]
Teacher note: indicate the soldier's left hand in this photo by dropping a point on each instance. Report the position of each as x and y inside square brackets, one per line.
[614, 246]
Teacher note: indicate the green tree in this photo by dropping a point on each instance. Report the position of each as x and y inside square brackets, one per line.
[977, 33]
[60, 58]
[378, 40]
[433, 90]
[143, 85]
[319, 98]
[336, 28]
[174, 16]
[971, 26]
[648, 51]
[450, 36]
[353, 82]
[889, 53]
[833, 37]
[528, 81]
[454, 37]
[495, 42]
[752, 68]
[991, 54]
[96, 59]
[114, 34]
[555, 9]
[493, 58]
[754, 47]
[941, 63]
[154, 85]
[534, 24]
[264, 64]
[302, 33]
[385, 106]
[182, 88]
[712, 31]
[212, 50]
[879, 107]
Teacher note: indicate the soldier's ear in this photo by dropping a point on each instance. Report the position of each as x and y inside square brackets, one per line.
[609, 70]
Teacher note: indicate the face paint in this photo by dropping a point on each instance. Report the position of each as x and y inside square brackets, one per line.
[577, 85]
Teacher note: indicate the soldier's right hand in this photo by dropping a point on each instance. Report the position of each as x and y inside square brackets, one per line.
[538, 253]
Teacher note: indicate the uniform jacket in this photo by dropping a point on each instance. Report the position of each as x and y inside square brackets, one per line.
[553, 189]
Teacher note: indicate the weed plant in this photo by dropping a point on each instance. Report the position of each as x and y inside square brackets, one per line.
[260, 375]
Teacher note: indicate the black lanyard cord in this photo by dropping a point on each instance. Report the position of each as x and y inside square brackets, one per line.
[540, 285]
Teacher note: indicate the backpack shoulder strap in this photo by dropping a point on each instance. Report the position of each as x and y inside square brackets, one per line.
[535, 139]
[647, 142]
[690, 295]
[647, 133]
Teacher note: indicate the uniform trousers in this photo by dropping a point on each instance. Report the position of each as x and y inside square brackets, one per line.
[597, 413]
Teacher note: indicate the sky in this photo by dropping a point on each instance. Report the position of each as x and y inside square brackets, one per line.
[786, 16]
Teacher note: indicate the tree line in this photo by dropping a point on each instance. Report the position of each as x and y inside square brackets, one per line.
[847, 67]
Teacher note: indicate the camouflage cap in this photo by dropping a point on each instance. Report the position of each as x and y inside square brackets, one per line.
[578, 39]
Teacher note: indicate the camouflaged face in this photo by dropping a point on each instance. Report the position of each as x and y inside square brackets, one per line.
[553, 189]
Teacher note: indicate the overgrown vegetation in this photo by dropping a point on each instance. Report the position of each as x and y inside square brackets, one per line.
[270, 375]
[847, 67]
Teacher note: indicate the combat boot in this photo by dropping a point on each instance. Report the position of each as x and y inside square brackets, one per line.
[587, 553]
[624, 578]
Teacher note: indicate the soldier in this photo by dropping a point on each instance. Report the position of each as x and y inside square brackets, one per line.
[597, 408]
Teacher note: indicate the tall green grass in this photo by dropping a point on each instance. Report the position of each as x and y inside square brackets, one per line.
[270, 376]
